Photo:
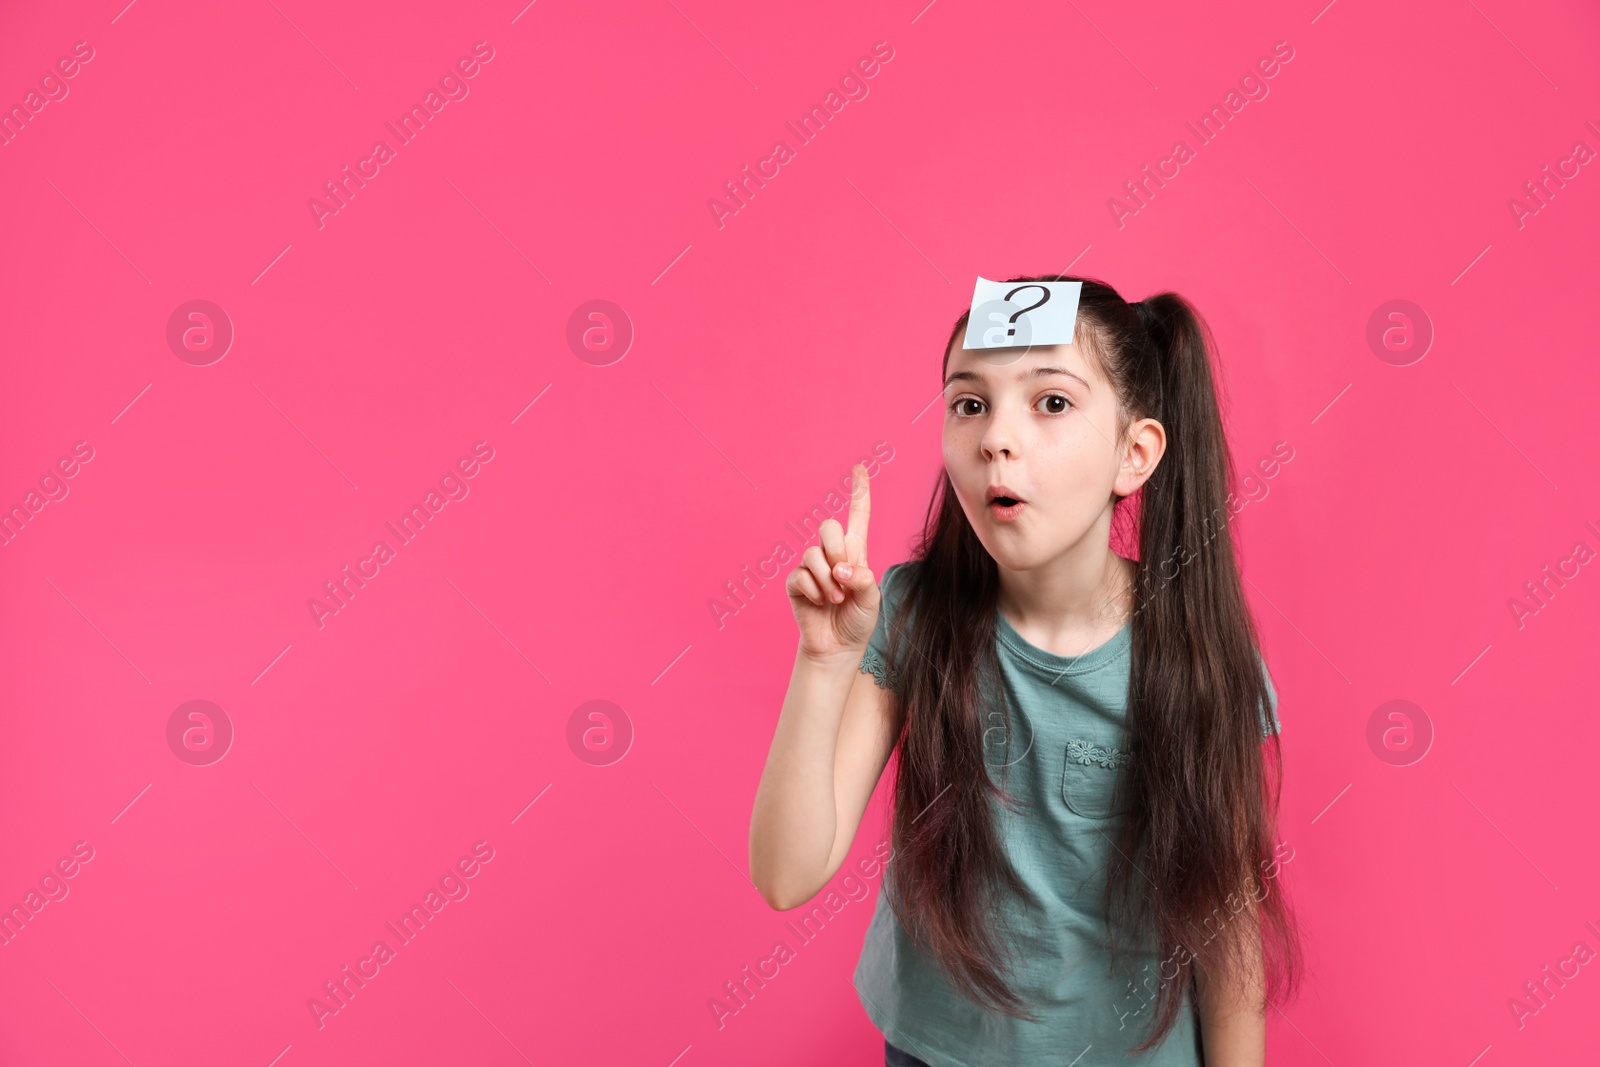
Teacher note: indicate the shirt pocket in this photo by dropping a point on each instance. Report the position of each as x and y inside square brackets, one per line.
[1089, 779]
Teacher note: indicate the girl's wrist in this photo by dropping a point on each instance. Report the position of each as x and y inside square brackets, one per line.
[837, 661]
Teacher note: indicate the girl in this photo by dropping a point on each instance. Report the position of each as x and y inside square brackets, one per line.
[1083, 863]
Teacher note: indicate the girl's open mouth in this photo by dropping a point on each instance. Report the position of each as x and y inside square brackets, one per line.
[1003, 504]
[1006, 507]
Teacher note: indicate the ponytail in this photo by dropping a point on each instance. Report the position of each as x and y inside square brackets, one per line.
[1192, 862]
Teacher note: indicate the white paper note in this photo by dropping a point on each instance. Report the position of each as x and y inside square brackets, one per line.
[1012, 314]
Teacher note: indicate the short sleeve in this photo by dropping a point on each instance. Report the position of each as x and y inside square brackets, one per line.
[1276, 725]
[875, 660]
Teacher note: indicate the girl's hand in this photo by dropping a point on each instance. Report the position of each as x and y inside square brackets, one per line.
[833, 593]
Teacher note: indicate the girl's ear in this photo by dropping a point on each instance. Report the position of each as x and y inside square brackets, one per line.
[1146, 444]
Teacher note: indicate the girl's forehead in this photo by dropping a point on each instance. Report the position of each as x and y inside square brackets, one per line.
[999, 366]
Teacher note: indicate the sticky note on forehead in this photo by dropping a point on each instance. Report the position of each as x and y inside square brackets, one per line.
[1010, 314]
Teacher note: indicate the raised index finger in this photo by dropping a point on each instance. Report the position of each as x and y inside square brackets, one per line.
[855, 532]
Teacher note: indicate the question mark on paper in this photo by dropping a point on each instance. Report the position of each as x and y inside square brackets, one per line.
[1042, 301]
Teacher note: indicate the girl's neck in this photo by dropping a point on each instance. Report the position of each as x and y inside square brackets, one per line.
[1075, 602]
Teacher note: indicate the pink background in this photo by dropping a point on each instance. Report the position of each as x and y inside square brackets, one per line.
[770, 354]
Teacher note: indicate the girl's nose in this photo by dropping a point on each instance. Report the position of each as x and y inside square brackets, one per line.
[998, 437]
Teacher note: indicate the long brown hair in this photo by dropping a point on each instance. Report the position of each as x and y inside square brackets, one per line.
[1197, 842]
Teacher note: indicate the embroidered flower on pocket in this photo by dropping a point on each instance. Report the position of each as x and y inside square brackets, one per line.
[1089, 781]
[1085, 752]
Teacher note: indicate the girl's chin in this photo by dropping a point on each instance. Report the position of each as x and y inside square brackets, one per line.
[1011, 549]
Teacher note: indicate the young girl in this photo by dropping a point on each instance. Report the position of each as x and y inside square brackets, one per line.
[1083, 854]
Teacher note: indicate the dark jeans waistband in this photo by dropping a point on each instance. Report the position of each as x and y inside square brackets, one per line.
[898, 1057]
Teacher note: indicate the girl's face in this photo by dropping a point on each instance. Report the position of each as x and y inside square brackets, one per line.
[1030, 444]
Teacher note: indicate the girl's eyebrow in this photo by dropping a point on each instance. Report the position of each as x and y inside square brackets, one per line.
[1037, 372]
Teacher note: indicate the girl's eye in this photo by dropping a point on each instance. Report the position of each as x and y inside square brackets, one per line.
[968, 406]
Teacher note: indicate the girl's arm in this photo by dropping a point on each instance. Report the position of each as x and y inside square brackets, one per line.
[834, 737]
[1233, 1024]
[836, 729]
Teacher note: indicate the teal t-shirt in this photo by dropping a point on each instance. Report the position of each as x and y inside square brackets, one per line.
[1067, 715]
